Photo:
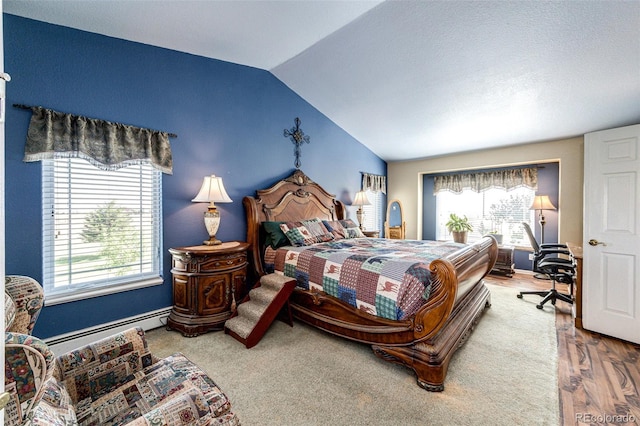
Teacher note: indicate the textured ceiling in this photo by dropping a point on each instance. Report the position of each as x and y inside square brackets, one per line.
[409, 79]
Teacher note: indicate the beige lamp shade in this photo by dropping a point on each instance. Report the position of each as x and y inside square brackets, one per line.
[212, 191]
[542, 202]
[361, 199]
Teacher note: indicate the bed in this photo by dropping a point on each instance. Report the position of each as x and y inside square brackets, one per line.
[436, 301]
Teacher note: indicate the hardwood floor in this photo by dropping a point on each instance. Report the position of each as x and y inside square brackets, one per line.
[598, 376]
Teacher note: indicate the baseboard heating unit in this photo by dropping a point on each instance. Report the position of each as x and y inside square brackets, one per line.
[68, 341]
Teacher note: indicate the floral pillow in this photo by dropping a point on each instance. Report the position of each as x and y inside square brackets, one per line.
[306, 232]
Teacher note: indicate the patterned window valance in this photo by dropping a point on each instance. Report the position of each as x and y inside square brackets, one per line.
[480, 181]
[107, 145]
[374, 183]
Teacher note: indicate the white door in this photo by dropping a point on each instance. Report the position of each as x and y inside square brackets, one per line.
[611, 242]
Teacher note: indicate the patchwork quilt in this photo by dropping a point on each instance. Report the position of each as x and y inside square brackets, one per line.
[383, 277]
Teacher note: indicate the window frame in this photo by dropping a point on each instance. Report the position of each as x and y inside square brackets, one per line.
[103, 285]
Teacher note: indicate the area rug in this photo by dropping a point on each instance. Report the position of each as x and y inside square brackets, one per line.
[505, 374]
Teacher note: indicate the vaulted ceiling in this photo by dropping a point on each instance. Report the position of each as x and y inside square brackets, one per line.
[408, 79]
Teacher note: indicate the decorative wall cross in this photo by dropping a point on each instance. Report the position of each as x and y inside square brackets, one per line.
[298, 137]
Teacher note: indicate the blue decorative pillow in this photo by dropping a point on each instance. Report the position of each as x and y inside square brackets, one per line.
[336, 228]
[306, 232]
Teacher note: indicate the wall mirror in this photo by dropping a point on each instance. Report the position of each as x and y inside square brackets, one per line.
[394, 226]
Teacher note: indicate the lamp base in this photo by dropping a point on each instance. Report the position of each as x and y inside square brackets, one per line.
[212, 222]
[360, 216]
[213, 241]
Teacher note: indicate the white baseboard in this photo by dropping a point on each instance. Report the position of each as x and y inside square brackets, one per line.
[68, 341]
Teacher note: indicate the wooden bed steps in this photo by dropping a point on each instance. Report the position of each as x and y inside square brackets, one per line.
[258, 310]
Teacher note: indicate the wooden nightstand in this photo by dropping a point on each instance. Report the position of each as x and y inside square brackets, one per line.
[208, 281]
[372, 234]
[504, 263]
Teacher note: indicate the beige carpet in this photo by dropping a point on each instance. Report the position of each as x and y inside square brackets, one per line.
[505, 374]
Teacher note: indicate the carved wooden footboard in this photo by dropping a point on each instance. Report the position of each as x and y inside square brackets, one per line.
[429, 358]
[423, 342]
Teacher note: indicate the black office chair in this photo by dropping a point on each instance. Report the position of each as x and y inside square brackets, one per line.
[546, 251]
[558, 269]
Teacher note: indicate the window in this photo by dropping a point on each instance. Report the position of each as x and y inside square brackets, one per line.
[374, 187]
[101, 229]
[373, 212]
[492, 210]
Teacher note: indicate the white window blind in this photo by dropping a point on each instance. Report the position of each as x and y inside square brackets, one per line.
[493, 210]
[373, 212]
[101, 229]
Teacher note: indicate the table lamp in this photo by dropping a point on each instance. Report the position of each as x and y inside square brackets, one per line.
[361, 200]
[212, 191]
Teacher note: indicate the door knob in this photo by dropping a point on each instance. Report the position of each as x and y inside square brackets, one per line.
[593, 242]
[4, 76]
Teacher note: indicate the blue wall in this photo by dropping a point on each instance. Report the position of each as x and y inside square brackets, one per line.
[548, 184]
[229, 120]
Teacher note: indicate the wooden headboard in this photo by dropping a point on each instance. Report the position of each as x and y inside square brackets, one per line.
[294, 198]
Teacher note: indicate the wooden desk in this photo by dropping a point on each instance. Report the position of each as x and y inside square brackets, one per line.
[576, 254]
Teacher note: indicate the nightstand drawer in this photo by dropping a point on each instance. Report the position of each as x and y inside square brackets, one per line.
[221, 263]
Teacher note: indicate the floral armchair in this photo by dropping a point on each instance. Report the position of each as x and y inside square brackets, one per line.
[23, 299]
[113, 381]
[28, 360]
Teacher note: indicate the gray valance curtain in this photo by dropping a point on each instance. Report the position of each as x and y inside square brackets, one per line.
[480, 181]
[374, 183]
[107, 145]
